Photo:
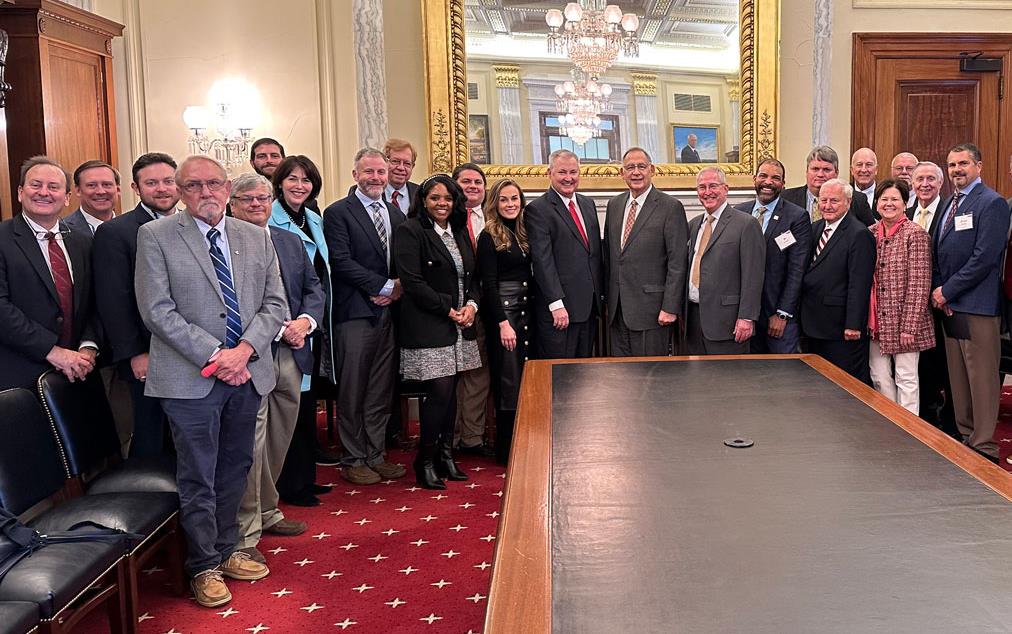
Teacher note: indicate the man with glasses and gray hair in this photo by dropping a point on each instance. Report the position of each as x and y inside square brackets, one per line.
[209, 290]
[293, 365]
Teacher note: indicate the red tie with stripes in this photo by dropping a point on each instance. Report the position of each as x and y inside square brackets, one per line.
[64, 288]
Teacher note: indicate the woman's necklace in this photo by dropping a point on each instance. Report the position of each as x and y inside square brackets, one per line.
[291, 216]
[516, 239]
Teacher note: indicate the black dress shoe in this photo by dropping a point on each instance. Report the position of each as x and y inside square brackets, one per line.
[320, 489]
[482, 450]
[326, 458]
[302, 499]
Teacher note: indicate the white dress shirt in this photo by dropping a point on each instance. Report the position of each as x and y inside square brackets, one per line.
[693, 291]
[477, 220]
[869, 193]
[832, 229]
[92, 221]
[932, 209]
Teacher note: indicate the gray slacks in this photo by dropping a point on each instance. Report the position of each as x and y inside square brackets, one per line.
[275, 425]
[366, 373]
[638, 343]
[472, 396]
[698, 344]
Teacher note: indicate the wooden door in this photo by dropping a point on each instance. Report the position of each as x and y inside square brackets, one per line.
[909, 95]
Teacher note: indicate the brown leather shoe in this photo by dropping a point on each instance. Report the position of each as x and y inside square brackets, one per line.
[360, 475]
[287, 528]
[209, 589]
[389, 470]
[241, 566]
[254, 554]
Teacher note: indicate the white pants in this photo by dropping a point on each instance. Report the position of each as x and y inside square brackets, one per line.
[899, 385]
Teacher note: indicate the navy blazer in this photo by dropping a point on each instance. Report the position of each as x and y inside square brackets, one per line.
[967, 264]
[29, 307]
[113, 252]
[564, 267]
[836, 289]
[784, 267]
[358, 264]
[302, 287]
[859, 207]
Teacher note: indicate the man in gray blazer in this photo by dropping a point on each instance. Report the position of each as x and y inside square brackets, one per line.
[727, 255]
[209, 290]
[645, 242]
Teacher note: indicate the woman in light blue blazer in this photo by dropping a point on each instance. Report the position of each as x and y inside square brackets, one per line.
[297, 183]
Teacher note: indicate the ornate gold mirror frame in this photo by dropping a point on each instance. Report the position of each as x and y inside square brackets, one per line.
[446, 99]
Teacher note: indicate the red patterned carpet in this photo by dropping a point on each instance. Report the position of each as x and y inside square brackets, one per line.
[384, 558]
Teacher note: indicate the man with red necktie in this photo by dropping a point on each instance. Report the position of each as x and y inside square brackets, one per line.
[45, 284]
[565, 240]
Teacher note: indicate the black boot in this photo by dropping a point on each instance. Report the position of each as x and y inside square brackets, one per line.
[503, 434]
[425, 468]
[445, 466]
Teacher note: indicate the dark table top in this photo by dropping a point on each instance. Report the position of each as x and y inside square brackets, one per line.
[836, 520]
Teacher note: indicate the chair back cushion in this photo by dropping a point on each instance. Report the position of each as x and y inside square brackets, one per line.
[31, 463]
[82, 420]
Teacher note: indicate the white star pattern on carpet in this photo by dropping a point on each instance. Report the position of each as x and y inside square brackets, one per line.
[407, 561]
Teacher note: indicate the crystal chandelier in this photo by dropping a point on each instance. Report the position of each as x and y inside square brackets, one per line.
[223, 128]
[592, 35]
[582, 102]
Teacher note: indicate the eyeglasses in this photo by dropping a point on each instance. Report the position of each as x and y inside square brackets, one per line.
[263, 199]
[642, 167]
[195, 187]
[400, 163]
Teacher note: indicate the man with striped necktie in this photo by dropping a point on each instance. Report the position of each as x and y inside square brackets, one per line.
[836, 289]
[209, 290]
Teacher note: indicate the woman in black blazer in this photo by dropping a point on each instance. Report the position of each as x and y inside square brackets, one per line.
[436, 333]
[504, 259]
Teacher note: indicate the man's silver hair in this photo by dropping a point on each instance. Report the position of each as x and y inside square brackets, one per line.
[557, 154]
[848, 191]
[938, 170]
[248, 182]
[713, 169]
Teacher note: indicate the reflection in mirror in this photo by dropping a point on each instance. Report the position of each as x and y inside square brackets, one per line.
[665, 78]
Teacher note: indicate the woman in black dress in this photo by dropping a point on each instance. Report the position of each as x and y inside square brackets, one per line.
[504, 263]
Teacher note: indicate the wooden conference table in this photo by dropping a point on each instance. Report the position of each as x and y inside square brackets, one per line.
[625, 511]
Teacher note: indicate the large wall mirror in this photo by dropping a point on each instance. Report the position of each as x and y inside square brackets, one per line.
[694, 83]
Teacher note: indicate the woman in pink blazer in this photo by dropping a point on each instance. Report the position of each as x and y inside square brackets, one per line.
[899, 319]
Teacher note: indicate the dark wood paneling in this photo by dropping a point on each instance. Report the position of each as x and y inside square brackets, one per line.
[908, 94]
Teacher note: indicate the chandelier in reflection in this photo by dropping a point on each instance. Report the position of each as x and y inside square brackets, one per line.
[592, 35]
[581, 103]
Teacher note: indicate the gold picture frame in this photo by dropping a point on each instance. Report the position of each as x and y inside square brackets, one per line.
[446, 102]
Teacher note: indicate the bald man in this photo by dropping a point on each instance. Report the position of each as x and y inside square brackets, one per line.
[863, 171]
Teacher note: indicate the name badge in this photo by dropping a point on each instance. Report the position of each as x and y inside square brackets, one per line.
[964, 222]
[785, 240]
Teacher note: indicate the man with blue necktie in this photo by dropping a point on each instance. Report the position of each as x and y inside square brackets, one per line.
[209, 290]
[966, 269]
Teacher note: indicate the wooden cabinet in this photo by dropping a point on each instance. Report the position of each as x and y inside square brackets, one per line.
[59, 65]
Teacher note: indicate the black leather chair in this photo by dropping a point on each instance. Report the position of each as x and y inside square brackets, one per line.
[83, 423]
[65, 581]
[151, 514]
[18, 617]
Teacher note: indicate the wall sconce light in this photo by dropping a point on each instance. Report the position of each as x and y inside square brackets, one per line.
[224, 130]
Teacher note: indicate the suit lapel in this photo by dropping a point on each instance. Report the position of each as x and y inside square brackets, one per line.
[833, 241]
[79, 265]
[237, 245]
[773, 226]
[437, 241]
[722, 222]
[364, 218]
[191, 236]
[29, 245]
[614, 221]
[567, 218]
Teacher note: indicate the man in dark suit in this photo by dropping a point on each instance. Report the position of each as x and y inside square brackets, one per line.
[787, 231]
[209, 291]
[293, 366]
[726, 255]
[399, 190]
[966, 269]
[115, 250]
[823, 163]
[96, 184]
[645, 235]
[45, 284]
[360, 230]
[836, 289]
[689, 153]
[565, 241]
[932, 370]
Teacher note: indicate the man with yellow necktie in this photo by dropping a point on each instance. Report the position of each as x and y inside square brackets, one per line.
[926, 185]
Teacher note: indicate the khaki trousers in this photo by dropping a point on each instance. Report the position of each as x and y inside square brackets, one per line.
[274, 428]
[973, 373]
[472, 396]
